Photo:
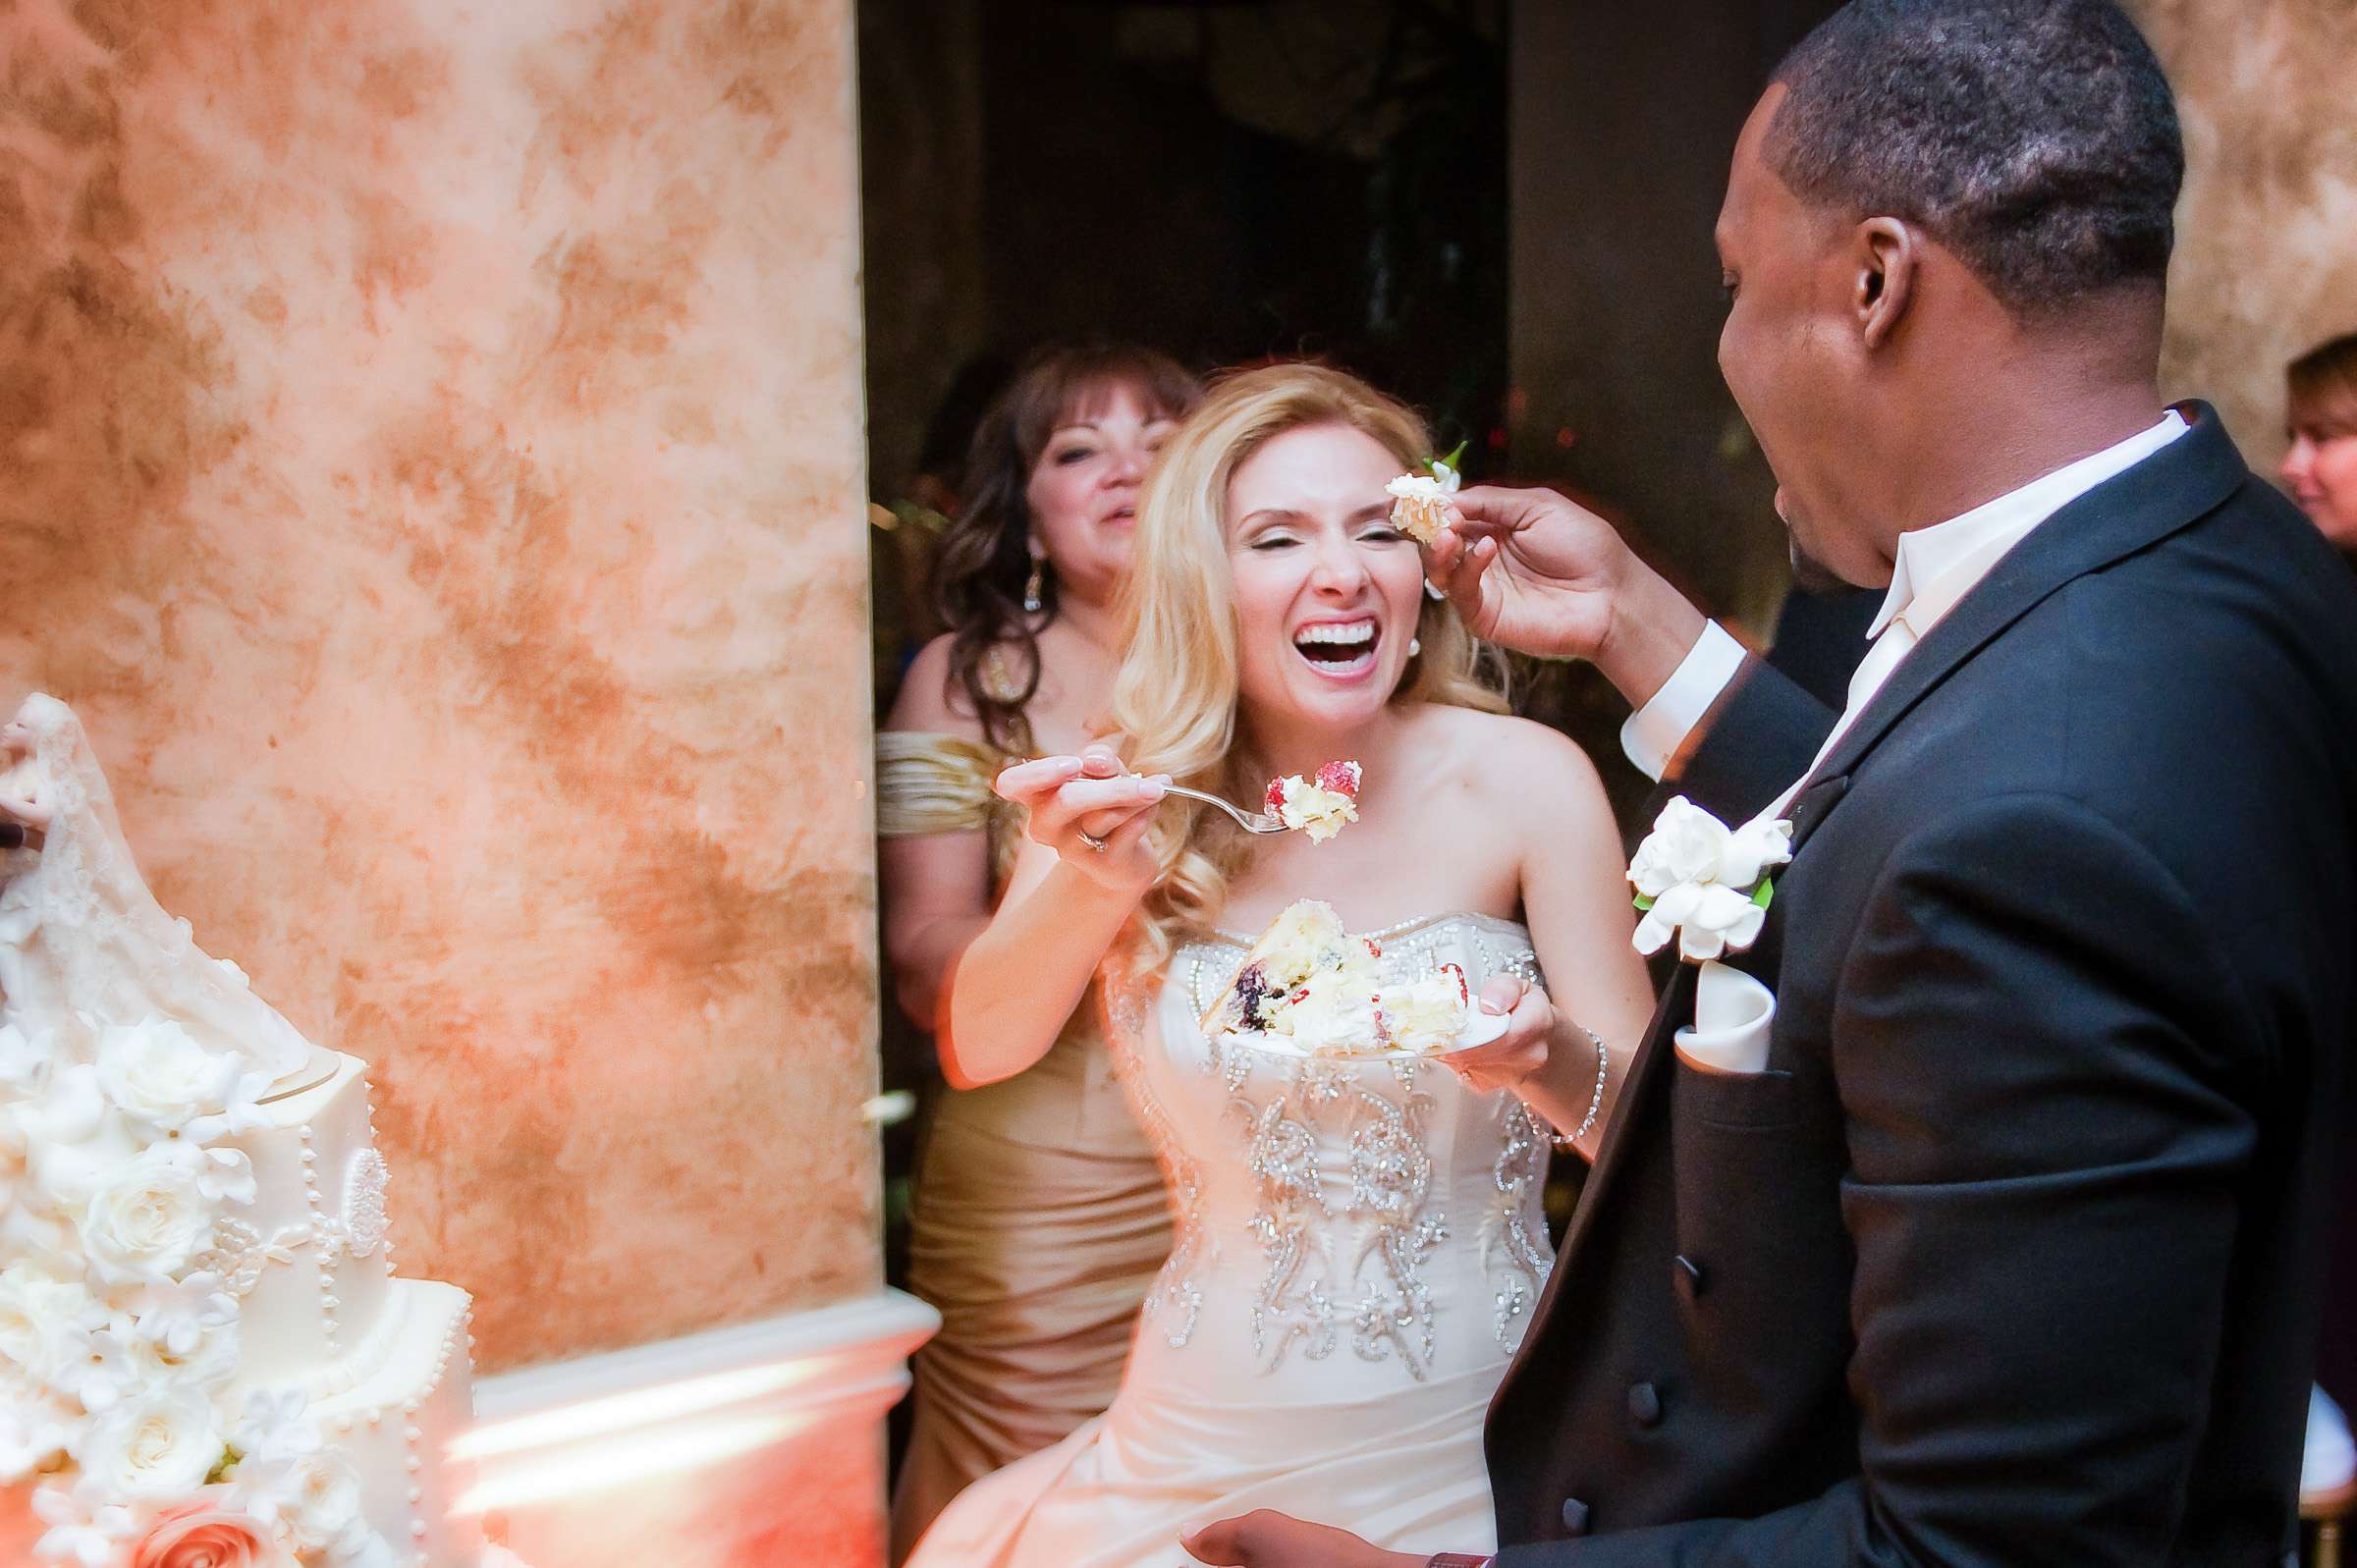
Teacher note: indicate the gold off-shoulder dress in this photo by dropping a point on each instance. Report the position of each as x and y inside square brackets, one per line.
[1039, 1219]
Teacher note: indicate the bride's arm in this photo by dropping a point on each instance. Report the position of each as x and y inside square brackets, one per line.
[1576, 901]
[1018, 980]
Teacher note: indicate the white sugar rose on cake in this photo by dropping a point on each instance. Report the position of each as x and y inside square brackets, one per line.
[205, 1359]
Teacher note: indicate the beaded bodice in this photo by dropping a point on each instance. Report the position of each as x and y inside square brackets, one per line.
[1337, 1217]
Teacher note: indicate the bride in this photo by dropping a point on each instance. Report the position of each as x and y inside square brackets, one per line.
[1360, 1243]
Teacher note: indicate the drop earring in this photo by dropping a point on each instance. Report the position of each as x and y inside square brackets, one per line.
[1032, 586]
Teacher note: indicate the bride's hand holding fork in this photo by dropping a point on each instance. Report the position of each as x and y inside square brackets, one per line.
[1092, 812]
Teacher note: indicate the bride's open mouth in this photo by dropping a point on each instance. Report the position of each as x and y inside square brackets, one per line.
[1338, 649]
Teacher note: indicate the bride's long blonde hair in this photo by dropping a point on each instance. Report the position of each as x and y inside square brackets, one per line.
[1174, 695]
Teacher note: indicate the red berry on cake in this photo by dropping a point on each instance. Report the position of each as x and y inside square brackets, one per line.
[1342, 778]
[1319, 806]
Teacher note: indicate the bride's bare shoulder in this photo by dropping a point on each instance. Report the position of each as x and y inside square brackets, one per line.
[1516, 767]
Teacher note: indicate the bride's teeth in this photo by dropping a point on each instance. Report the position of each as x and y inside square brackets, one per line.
[1362, 632]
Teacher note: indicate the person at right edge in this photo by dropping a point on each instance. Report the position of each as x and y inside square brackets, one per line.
[2006, 1253]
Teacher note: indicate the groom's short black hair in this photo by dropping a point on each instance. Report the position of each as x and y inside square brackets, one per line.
[2036, 139]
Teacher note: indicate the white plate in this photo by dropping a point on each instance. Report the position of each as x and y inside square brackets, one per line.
[1480, 1029]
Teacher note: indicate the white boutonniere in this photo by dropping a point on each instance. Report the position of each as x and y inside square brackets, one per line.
[1705, 883]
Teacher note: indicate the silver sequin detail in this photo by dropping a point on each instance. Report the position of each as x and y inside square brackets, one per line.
[1509, 1250]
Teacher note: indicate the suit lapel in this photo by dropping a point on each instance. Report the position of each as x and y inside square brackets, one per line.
[2167, 492]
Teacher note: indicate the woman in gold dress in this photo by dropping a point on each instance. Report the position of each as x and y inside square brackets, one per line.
[1039, 1217]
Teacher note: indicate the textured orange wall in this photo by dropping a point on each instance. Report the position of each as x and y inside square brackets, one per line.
[2267, 233]
[430, 458]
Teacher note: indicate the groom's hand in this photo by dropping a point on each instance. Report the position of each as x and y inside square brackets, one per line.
[1263, 1539]
[1531, 569]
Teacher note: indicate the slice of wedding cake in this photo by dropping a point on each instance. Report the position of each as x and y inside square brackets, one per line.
[1308, 981]
[206, 1357]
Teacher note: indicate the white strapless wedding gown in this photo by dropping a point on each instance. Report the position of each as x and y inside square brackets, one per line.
[1358, 1248]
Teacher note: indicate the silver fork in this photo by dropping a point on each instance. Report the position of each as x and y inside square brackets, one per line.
[1249, 821]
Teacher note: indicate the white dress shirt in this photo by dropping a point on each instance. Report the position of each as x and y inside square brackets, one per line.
[1935, 567]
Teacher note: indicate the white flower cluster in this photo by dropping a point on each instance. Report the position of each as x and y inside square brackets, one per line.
[1705, 883]
[118, 1334]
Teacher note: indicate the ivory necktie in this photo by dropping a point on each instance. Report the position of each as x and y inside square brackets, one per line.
[1867, 679]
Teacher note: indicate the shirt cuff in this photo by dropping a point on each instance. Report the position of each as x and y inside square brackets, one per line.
[1654, 733]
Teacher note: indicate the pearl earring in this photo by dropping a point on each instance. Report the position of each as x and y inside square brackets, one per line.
[1415, 645]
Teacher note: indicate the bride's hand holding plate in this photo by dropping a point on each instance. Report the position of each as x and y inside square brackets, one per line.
[1518, 1054]
[1092, 812]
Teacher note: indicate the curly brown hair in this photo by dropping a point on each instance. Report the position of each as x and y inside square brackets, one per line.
[984, 559]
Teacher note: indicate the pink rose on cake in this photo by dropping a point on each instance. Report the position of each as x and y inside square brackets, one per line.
[204, 1534]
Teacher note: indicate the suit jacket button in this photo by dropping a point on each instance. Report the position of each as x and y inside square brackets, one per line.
[1575, 1517]
[1689, 1275]
[1644, 1404]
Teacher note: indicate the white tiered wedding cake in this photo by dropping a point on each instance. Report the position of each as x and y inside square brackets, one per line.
[206, 1357]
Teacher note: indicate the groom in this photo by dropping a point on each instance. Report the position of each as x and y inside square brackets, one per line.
[2006, 1253]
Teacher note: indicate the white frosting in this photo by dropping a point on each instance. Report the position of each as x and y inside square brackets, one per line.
[1313, 808]
[395, 1427]
[1336, 1011]
[384, 1361]
[1428, 1012]
[314, 1301]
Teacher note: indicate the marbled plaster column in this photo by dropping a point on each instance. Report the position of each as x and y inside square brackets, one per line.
[431, 460]
[2266, 266]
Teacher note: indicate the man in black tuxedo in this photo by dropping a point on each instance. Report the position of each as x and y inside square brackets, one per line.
[2002, 1256]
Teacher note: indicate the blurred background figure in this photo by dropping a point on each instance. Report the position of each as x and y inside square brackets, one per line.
[2319, 469]
[2321, 420]
[1038, 1218]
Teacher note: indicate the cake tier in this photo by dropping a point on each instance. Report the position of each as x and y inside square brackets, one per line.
[395, 1426]
[310, 1257]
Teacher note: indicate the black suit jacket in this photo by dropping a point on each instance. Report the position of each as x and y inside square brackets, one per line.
[2008, 1259]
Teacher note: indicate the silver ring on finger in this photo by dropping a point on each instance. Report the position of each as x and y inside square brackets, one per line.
[1091, 839]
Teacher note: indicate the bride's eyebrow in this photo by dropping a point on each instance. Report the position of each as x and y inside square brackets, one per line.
[1267, 516]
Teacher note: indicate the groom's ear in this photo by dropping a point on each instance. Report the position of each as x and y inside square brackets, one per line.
[1886, 256]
